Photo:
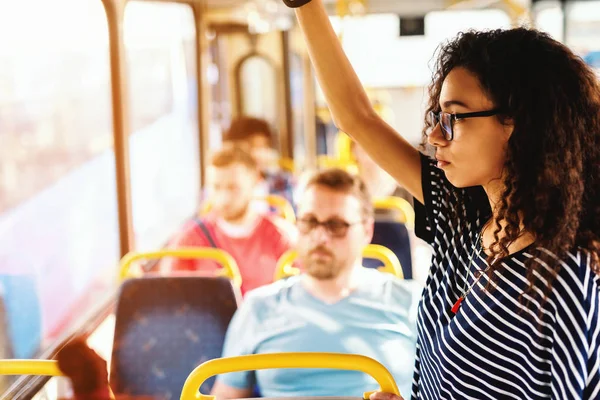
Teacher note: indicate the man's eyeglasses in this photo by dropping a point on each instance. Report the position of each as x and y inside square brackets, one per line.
[335, 227]
[446, 120]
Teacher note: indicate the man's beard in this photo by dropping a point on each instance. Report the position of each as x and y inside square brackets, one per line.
[234, 216]
[321, 269]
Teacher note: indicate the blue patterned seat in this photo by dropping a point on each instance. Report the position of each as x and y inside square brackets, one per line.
[394, 236]
[165, 327]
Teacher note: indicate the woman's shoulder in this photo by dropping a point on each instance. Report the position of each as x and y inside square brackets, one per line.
[578, 264]
[575, 277]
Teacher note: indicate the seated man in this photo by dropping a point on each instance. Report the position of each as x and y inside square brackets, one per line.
[255, 241]
[335, 305]
[257, 137]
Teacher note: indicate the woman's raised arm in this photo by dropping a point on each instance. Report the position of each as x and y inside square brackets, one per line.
[350, 107]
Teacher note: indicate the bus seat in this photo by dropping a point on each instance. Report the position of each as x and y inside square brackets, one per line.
[164, 328]
[394, 236]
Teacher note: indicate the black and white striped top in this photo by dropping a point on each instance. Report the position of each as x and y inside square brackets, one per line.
[496, 347]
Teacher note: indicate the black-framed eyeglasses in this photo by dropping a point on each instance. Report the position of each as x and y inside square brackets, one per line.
[334, 227]
[446, 120]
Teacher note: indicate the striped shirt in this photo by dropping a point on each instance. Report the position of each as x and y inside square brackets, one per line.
[497, 347]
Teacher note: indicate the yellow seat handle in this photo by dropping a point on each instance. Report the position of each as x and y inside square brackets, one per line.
[30, 367]
[407, 212]
[284, 267]
[253, 362]
[390, 261]
[284, 207]
[391, 264]
[287, 164]
[230, 267]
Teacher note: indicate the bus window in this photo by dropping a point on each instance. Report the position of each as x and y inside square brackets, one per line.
[59, 239]
[165, 172]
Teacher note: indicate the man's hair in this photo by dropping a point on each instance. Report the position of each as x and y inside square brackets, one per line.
[342, 181]
[241, 128]
[230, 155]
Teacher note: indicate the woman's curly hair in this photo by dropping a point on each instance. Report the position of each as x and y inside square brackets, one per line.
[552, 168]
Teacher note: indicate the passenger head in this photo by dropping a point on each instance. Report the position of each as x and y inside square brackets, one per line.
[335, 223]
[542, 142]
[256, 136]
[231, 176]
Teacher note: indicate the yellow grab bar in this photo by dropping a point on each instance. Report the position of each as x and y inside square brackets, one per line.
[280, 203]
[287, 164]
[230, 267]
[344, 148]
[284, 208]
[391, 264]
[254, 362]
[30, 367]
[284, 267]
[398, 204]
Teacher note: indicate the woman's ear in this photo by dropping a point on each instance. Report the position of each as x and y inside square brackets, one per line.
[508, 127]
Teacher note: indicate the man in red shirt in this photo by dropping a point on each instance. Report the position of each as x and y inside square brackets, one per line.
[254, 240]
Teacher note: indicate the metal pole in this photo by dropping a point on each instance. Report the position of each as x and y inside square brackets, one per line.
[202, 86]
[118, 72]
[287, 139]
[565, 19]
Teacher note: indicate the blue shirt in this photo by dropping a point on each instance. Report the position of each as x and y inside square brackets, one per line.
[378, 320]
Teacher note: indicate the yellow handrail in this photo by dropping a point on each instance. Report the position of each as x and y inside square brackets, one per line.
[284, 267]
[344, 148]
[252, 362]
[391, 264]
[399, 204]
[280, 203]
[287, 164]
[30, 367]
[230, 267]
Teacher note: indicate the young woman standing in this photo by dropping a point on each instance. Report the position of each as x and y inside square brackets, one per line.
[511, 207]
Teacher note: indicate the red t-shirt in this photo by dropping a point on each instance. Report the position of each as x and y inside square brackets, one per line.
[256, 254]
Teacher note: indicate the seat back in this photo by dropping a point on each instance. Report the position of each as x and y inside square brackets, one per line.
[394, 236]
[164, 328]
